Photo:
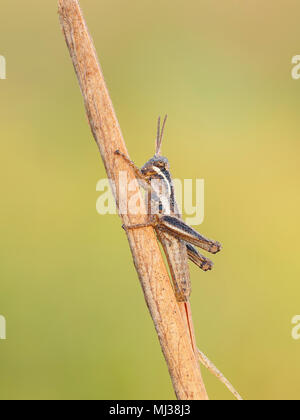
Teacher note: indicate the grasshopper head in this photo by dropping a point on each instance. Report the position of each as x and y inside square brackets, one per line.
[154, 166]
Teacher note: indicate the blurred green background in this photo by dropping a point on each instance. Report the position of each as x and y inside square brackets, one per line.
[77, 325]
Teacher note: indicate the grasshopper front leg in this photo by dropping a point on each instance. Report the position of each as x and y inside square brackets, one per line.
[137, 170]
[140, 176]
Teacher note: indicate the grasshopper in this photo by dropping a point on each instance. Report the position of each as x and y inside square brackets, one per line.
[177, 238]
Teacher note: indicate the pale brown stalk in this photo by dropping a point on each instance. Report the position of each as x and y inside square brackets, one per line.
[165, 311]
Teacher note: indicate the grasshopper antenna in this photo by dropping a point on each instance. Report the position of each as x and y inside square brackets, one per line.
[158, 138]
[160, 135]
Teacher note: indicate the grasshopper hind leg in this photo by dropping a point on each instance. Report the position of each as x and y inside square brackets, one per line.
[202, 262]
[176, 227]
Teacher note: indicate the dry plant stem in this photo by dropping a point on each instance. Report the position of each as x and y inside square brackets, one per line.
[166, 314]
[212, 368]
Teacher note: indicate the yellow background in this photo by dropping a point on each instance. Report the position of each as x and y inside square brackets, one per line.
[77, 325]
